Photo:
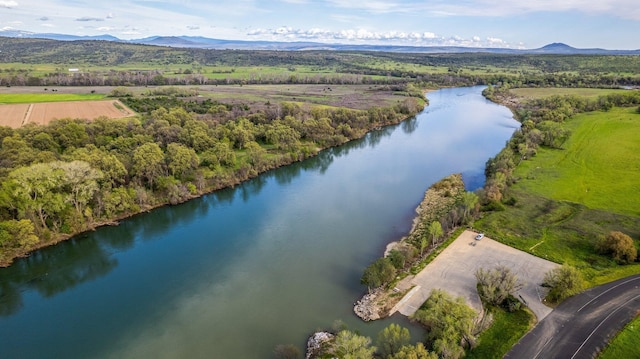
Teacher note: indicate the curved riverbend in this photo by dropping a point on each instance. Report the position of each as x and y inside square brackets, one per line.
[236, 272]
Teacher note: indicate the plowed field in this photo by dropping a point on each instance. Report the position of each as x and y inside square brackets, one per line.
[42, 113]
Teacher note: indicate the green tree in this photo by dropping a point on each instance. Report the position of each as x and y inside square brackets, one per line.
[349, 345]
[495, 285]
[448, 322]
[391, 339]
[148, 163]
[414, 352]
[20, 233]
[378, 273]
[620, 246]
[563, 282]
[181, 160]
[35, 191]
[469, 201]
[79, 183]
[282, 136]
[435, 231]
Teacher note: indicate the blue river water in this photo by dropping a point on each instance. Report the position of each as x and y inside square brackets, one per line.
[239, 271]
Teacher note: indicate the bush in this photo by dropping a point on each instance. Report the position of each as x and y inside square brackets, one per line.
[563, 282]
[620, 246]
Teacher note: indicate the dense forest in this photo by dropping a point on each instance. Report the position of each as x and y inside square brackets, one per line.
[74, 174]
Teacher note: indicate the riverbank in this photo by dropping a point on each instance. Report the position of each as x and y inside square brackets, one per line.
[439, 199]
[48, 238]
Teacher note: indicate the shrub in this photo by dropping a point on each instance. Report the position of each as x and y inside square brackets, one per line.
[620, 246]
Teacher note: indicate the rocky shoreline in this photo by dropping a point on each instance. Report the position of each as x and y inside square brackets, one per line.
[438, 200]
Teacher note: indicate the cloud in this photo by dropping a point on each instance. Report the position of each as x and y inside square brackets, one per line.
[364, 36]
[9, 4]
[86, 18]
[110, 16]
[44, 18]
[193, 27]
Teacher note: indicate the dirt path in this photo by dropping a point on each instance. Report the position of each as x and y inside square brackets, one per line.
[454, 271]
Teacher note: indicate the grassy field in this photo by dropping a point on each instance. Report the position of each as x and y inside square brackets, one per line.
[567, 199]
[6, 98]
[535, 93]
[506, 330]
[597, 168]
[626, 344]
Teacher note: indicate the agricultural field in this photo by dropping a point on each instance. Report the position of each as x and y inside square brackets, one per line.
[17, 115]
[536, 93]
[598, 166]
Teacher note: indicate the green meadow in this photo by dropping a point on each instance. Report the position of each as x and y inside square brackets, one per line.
[626, 344]
[46, 97]
[537, 92]
[565, 200]
[598, 166]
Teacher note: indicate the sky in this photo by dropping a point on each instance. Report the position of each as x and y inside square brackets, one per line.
[609, 24]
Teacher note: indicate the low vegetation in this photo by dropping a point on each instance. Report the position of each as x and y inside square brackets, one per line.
[626, 344]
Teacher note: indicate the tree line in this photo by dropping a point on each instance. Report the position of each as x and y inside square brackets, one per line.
[75, 174]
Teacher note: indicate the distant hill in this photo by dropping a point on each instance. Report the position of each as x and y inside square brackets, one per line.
[219, 44]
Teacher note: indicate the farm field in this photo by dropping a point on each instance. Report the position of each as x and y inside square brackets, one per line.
[30, 97]
[18, 115]
[536, 93]
[597, 167]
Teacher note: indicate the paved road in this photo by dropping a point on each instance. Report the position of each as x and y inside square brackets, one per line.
[581, 326]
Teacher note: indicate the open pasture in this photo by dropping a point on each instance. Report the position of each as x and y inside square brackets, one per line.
[598, 166]
[17, 115]
[535, 93]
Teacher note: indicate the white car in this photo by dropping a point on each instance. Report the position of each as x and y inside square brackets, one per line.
[479, 236]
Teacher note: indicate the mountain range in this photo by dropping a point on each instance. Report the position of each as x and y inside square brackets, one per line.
[209, 43]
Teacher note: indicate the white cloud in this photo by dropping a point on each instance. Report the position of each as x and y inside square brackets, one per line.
[9, 4]
[47, 25]
[363, 36]
[193, 27]
[87, 18]
[110, 16]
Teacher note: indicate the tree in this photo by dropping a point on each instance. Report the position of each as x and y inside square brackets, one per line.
[148, 163]
[448, 322]
[181, 159]
[620, 246]
[349, 345]
[469, 201]
[35, 191]
[563, 282]
[495, 285]
[414, 352]
[17, 233]
[79, 183]
[378, 273]
[435, 231]
[391, 339]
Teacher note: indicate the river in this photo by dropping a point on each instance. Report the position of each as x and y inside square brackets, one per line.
[239, 271]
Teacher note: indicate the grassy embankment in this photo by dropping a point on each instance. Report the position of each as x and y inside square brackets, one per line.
[567, 199]
[626, 344]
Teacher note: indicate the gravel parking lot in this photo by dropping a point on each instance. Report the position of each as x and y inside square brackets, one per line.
[454, 271]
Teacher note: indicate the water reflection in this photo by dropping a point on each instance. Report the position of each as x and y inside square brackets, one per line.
[86, 257]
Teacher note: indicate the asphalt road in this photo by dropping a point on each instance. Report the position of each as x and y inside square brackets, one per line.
[581, 326]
